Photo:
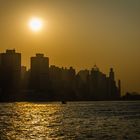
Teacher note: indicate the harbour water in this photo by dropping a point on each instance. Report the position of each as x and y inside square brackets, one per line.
[107, 120]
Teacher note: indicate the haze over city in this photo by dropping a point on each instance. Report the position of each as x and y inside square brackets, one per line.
[76, 33]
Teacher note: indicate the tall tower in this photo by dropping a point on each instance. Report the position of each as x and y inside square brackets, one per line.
[111, 74]
[39, 72]
[112, 88]
[10, 70]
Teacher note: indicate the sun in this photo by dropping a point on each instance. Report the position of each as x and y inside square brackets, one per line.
[35, 24]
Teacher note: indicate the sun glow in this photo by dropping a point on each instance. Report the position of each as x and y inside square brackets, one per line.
[35, 24]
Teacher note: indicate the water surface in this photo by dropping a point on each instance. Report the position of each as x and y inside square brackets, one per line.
[75, 120]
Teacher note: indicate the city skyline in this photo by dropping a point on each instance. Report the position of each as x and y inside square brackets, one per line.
[52, 83]
[77, 33]
[49, 66]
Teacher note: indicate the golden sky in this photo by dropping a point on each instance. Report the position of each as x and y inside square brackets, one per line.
[77, 33]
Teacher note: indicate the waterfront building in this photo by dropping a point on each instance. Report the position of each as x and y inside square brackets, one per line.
[10, 72]
[39, 73]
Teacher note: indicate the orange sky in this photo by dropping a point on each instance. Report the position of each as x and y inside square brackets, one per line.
[77, 33]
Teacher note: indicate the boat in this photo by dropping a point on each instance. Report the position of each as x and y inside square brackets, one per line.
[63, 102]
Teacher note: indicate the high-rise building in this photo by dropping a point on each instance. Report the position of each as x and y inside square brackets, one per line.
[98, 84]
[112, 88]
[39, 72]
[111, 74]
[10, 70]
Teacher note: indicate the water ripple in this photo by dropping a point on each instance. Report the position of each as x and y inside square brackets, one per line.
[75, 120]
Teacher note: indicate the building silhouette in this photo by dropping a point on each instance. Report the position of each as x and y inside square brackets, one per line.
[63, 82]
[10, 74]
[39, 75]
[44, 83]
[97, 84]
[112, 87]
[82, 85]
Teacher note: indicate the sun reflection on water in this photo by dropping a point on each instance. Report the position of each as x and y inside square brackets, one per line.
[29, 119]
[89, 120]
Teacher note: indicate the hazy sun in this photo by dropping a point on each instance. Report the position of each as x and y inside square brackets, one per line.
[35, 24]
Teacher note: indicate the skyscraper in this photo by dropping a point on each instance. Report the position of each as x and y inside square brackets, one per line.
[113, 91]
[39, 72]
[111, 74]
[10, 71]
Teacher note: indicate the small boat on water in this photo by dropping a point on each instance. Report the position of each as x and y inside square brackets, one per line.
[63, 102]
